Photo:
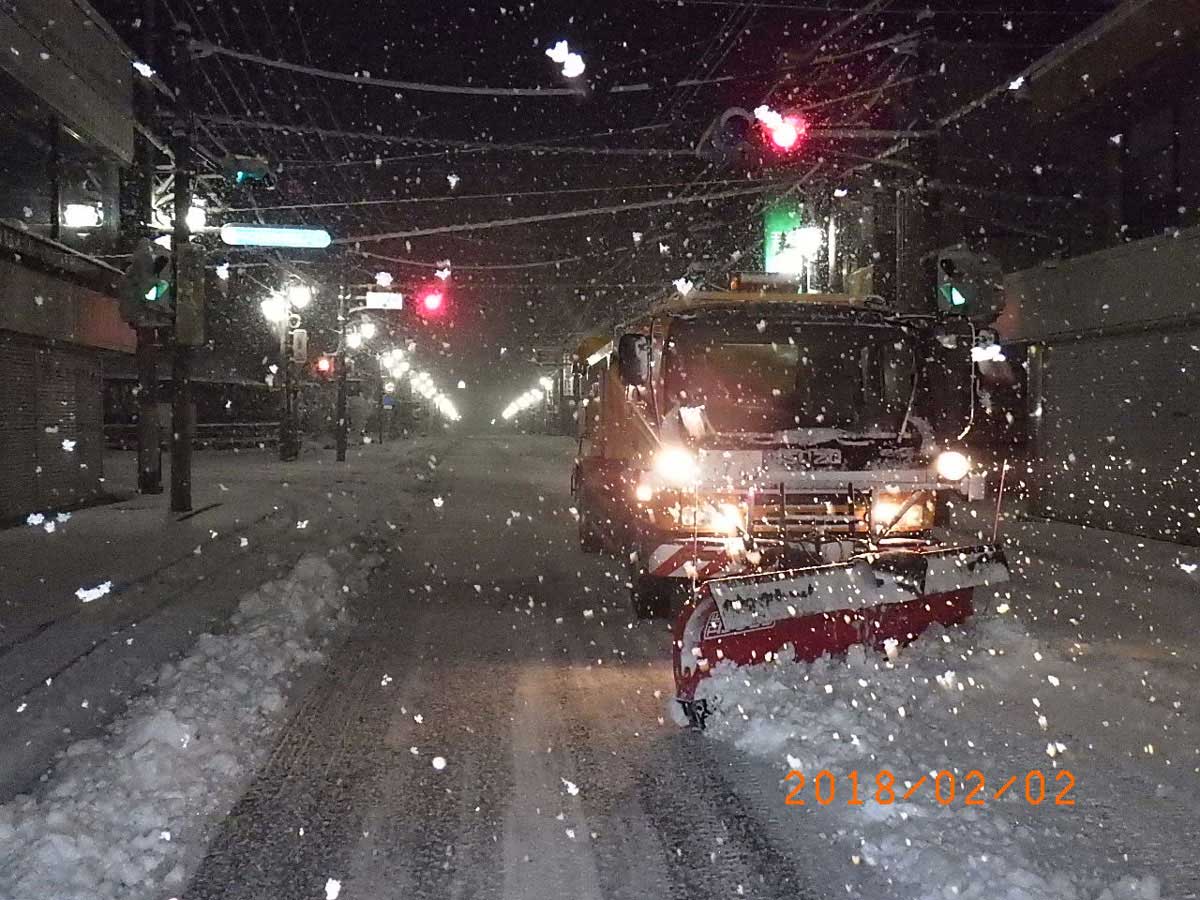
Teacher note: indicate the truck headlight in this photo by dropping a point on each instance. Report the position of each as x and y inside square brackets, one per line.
[723, 518]
[726, 518]
[952, 465]
[885, 508]
[677, 466]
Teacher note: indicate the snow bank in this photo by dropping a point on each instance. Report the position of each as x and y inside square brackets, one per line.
[951, 701]
[125, 816]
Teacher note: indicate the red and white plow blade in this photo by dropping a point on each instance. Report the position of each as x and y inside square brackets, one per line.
[890, 595]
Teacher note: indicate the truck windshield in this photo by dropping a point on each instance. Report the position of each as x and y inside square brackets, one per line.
[774, 376]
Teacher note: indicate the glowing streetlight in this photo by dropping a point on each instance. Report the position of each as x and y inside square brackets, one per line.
[299, 295]
[81, 215]
[275, 309]
[383, 279]
[196, 218]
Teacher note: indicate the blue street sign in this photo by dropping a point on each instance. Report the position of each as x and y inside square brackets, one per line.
[275, 236]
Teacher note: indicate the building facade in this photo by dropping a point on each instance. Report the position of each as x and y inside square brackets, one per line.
[1094, 214]
[67, 126]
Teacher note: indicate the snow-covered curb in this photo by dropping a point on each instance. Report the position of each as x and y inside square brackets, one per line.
[955, 700]
[125, 816]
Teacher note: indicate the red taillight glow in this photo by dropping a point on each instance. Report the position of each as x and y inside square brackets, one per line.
[324, 364]
[432, 302]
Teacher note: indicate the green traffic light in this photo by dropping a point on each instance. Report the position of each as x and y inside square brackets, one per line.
[953, 295]
[158, 290]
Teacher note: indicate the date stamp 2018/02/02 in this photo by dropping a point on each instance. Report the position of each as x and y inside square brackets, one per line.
[1053, 788]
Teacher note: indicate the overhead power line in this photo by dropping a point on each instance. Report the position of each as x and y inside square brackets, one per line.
[376, 137]
[420, 264]
[808, 7]
[202, 49]
[551, 217]
[503, 195]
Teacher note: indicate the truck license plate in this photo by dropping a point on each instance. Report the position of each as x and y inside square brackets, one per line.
[804, 457]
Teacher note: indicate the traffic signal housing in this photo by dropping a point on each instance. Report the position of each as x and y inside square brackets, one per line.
[733, 136]
[145, 289]
[969, 284]
[248, 170]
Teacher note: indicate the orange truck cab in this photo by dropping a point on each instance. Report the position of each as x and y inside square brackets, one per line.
[756, 429]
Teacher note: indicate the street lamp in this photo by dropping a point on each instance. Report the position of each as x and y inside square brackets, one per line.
[299, 295]
[278, 309]
[367, 329]
[82, 215]
[196, 218]
[354, 340]
[275, 309]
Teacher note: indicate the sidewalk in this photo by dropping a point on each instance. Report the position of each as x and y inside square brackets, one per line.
[126, 542]
[68, 665]
[1097, 591]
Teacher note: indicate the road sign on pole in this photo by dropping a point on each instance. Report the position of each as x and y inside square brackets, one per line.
[274, 236]
[300, 346]
[384, 300]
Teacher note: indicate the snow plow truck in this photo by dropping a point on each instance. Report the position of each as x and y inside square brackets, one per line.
[776, 466]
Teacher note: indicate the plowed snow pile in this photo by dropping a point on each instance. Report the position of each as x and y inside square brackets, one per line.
[991, 700]
[124, 816]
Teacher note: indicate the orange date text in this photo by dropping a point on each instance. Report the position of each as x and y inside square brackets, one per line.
[947, 789]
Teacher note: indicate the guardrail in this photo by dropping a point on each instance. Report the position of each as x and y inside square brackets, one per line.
[209, 435]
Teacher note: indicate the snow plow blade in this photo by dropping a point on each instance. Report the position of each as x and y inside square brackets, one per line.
[893, 595]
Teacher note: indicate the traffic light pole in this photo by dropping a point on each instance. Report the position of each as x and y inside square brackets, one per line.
[289, 431]
[382, 382]
[182, 413]
[342, 366]
[149, 451]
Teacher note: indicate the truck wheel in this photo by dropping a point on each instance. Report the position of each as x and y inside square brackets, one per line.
[651, 599]
[591, 539]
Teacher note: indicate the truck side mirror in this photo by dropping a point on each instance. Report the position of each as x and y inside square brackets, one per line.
[633, 358]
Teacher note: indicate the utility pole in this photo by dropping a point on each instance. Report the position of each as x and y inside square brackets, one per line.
[289, 432]
[54, 138]
[149, 450]
[182, 413]
[343, 363]
[382, 384]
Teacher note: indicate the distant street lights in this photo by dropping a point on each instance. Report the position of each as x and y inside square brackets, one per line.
[280, 309]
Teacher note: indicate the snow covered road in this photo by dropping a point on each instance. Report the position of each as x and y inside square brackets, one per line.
[490, 643]
[493, 723]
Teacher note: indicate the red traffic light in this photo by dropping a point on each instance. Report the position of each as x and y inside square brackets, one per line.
[432, 303]
[324, 366]
[785, 132]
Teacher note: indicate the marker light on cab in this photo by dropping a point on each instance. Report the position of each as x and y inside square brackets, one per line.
[952, 465]
[677, 466]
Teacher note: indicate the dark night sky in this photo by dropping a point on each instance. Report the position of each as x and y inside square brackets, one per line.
[502, 44]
